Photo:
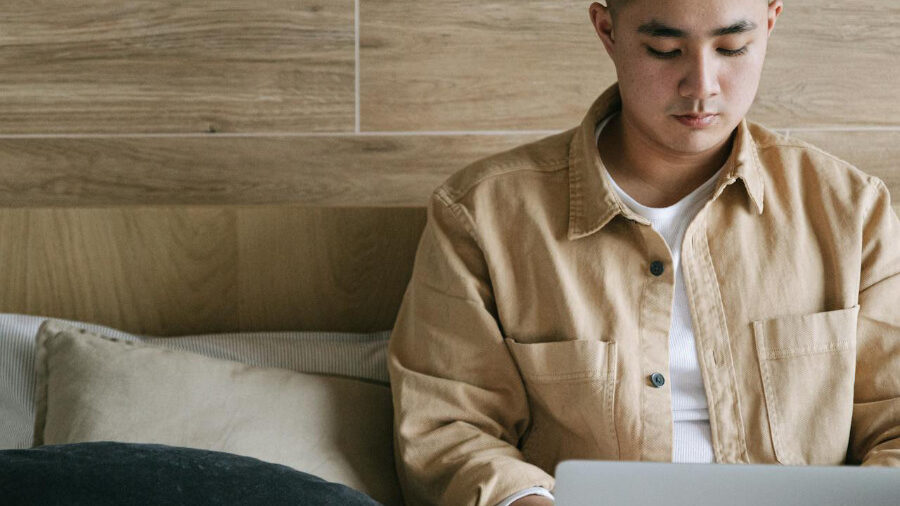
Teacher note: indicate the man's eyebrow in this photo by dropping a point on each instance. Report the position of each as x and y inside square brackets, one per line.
[655, 28]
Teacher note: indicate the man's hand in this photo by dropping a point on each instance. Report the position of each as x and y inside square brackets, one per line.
[532, 500]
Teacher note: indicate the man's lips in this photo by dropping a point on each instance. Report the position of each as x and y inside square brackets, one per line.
[695, 115]
[697, 120]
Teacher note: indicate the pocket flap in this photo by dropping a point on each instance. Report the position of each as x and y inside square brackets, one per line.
[794, 335]
[564, 360]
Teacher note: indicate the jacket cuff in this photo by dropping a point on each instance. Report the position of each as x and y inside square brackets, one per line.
[522, 493]
[497, 480]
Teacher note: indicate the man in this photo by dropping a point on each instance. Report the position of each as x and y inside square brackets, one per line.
[665, 282]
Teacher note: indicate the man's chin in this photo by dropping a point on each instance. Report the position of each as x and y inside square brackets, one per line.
[695, 144]
[697, 141]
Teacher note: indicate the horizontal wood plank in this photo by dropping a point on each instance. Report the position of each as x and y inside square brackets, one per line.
[319, 171]
[177, 67]
[314, 171]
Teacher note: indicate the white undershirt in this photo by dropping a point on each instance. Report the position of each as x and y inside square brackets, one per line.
[691, 439]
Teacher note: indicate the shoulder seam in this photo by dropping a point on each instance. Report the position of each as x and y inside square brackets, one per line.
[879, 186]
[811, 147]
[552, 166]
[460, 214]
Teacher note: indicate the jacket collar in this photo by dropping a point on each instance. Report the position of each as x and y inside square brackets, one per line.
[592, 203]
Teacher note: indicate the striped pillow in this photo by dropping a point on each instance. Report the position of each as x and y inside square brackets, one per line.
[355, 355]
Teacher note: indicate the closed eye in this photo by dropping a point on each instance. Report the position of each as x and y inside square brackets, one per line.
[673, 54]
[663, 55]
[733, 52]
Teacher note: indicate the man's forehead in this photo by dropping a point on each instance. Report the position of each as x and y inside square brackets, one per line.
[691, 18]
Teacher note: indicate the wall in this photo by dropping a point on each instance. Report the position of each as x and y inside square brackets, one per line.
[362, 102]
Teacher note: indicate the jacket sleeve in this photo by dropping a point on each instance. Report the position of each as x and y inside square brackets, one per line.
[459, 402]
[875, 429]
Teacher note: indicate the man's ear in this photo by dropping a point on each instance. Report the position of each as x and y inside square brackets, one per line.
[601, 18]
[775, 7]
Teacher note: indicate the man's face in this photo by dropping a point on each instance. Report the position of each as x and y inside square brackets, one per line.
[664, 73]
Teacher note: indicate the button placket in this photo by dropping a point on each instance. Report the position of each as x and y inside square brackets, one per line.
[711, 337]
[655, 319]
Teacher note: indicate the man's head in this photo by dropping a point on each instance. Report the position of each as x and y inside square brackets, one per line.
[677, 57]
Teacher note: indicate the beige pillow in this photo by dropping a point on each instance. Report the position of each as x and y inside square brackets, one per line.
[92, 387]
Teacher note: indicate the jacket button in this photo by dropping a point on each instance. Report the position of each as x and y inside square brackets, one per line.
[657, 379]
[656, 268]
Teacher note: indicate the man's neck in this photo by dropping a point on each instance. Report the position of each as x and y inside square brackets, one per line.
[651, 175]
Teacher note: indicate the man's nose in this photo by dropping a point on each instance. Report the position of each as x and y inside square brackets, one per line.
[701, 79]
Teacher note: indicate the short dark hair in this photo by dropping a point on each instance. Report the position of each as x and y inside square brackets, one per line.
[615, 6]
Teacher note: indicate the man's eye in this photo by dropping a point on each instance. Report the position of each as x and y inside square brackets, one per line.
[673, 54]
[662, 55]
[733, 52]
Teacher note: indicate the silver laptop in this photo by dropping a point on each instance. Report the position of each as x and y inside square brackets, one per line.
[591, 482]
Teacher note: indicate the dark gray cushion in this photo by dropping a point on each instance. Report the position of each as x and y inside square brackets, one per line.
[108, 473]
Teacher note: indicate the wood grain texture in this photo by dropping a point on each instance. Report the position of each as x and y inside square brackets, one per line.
[495, 65]
[873, 152]
[152, 270]
[155, 66]
[511, 64]
[13, 245]
[320, 171]
[176, 270]
[832, 64]
[325, 268]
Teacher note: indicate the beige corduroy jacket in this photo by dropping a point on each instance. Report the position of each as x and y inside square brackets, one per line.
[537, 313]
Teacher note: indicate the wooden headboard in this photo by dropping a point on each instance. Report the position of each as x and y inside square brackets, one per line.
[174, 270]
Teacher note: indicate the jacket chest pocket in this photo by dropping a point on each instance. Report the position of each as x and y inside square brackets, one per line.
[808, 364]
[571, 392]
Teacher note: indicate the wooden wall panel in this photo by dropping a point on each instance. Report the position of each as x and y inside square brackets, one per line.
[512, 64]
[327, 171]
[176, 270]
[832, 64]
[13, 244]
[152, 270]
[324, 268]
[187, 67]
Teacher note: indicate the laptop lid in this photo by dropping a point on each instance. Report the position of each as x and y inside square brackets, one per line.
[586, 482]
